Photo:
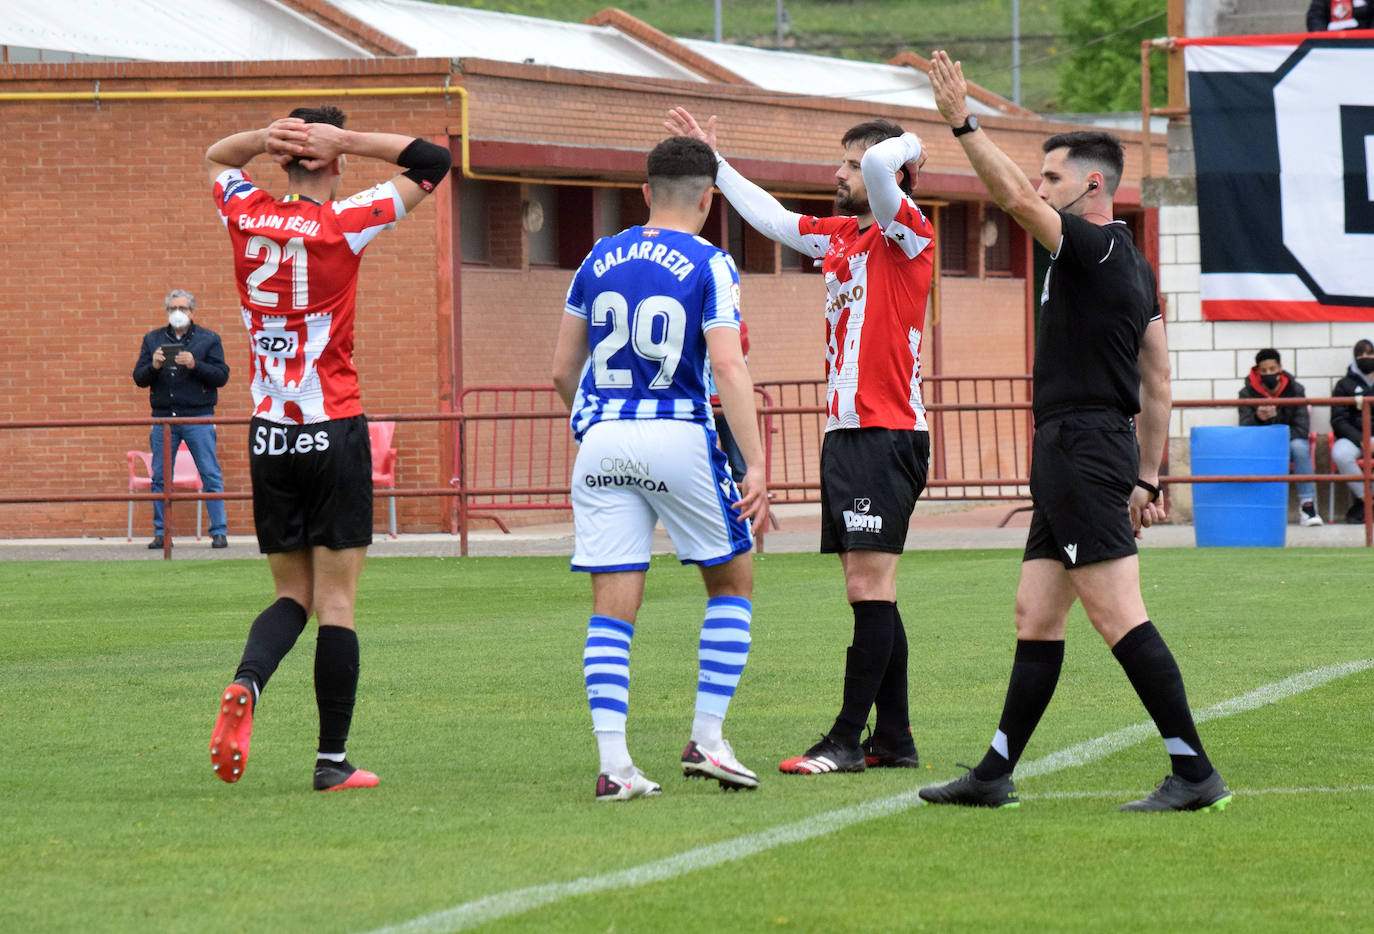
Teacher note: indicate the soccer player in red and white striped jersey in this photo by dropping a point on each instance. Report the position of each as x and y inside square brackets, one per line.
[877, 260]
[296, 267]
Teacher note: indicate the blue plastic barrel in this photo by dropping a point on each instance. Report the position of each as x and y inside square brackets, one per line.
[1240, 514]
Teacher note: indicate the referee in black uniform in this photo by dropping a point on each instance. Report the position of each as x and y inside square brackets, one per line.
[1100, 359]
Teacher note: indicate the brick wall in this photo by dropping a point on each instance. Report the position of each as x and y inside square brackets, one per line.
[121, 214]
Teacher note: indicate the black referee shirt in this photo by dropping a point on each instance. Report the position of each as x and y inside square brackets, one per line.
[1098, 297]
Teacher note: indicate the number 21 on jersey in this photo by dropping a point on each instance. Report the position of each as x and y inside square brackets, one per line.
[655, 331]
[293, 252]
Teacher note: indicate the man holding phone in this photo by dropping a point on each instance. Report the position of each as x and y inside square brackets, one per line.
[182, 365]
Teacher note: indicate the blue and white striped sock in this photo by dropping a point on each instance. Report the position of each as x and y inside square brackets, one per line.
[721, 655]
[606, 669]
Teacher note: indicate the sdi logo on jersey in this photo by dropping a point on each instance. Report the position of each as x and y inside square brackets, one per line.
[858, 519]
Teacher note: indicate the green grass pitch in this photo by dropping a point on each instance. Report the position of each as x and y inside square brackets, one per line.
[472, 711]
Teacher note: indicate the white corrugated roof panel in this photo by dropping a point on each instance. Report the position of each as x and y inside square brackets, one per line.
[158, 31]
[797, 73]
[435, 30]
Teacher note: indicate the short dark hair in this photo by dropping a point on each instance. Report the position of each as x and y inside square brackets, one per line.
[1268, 353]
[1363, 347]
[325, 113]
[1095, 148]
[875, 131]
[680, 168]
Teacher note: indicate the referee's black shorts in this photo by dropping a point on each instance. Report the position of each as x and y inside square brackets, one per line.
[312, 484]
[1083, 469]
[870, 480]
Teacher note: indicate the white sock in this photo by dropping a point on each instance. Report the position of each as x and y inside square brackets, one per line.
[330, 756]
[706, 729]
[615, 753]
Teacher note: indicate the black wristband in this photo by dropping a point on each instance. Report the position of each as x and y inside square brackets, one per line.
[426, 163]
[1148, 488]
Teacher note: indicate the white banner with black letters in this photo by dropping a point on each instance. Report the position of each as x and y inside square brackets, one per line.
[1283, 131]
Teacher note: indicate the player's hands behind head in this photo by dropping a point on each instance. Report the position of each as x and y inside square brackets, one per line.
[284, 139]
[682, 123]
[314, 145]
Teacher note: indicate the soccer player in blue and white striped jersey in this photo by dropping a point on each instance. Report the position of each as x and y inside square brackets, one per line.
[651, 315]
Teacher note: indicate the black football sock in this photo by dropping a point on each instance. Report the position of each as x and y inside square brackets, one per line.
[336, 685]
[271, 636]
[865, 662]
[1034, 676]
[1155, 676]
[893, 717]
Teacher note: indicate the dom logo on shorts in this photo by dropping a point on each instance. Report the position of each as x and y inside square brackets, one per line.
[274, 441]
[858, 519]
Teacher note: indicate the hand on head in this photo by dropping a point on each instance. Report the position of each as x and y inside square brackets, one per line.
[682, 123]
[314, 145]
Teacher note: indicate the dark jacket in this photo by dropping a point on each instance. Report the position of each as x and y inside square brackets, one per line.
[177, 390]
[1294, 416]
[1345, 419]
[1319, 15]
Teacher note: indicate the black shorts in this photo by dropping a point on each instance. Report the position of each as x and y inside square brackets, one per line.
[870, 480]
[1083, 469]
[312, 484]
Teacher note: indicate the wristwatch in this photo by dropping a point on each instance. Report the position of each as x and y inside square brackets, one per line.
[970, 124]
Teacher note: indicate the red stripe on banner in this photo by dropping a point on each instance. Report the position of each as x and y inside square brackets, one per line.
[1292, 38]
[1251, 310]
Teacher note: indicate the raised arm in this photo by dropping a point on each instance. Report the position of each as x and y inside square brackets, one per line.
[759, 209]
[1004, 179]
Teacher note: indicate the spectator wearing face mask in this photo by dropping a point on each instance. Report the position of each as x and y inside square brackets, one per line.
[182, 366]
[1346, 423]
[1269, 380]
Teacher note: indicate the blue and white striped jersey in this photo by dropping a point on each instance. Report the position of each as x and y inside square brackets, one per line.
[649, 296]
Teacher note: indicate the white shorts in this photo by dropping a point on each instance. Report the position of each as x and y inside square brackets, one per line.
[630, 473]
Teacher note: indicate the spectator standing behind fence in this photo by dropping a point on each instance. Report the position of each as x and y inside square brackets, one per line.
[1348, 425]
[1269, 380]
[1339, 15]
[184, 382]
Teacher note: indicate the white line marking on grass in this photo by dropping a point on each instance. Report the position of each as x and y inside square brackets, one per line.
[518, 901]
[1248, 792]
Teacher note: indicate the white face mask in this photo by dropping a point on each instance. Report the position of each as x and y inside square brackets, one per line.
[178, 319]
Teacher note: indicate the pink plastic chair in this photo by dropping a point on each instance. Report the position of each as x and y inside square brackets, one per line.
[384, 465]
[184, 477]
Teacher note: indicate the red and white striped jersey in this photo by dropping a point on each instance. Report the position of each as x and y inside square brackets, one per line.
[877, 283]
[296, 268]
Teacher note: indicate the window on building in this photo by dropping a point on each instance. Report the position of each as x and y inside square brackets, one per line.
[608, 202]
[473, 230]
[951, 226]
[997, 241]
[539, 215]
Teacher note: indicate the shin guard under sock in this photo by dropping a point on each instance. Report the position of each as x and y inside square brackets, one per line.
[1034, 676]
[270, 638]
[865, 662]
[1154, 674]
[891, 704]
[336, 685]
